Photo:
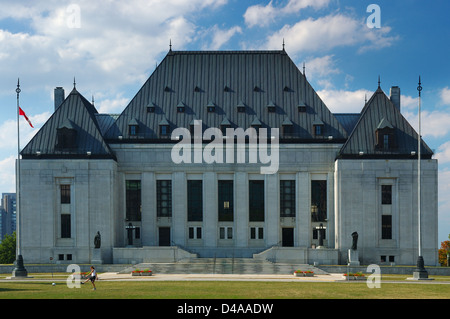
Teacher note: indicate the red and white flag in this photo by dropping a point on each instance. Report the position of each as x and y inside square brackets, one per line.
[21, 112]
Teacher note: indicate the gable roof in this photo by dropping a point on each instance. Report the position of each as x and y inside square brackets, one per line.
[75, 113]
[226, 79]
[378, 113]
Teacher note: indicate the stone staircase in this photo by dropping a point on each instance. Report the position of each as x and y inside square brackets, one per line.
[224, 266]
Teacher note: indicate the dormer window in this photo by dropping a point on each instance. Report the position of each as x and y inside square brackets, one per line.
[164, 129]
[211, 107]
[241, 107]
[318, 127]
[133, 128]
[67, 136]
[385, 136]
[151, 108]
[271, 107]
[302, 107]
[288, 128]
[180, 107]
[224, 125]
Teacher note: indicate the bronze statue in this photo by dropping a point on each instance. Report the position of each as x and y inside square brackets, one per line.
[97, 240]
[355, 240]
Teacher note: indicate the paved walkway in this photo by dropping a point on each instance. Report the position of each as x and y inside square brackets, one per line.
[219, 277]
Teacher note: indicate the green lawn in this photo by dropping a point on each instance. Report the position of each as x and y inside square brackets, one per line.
[224, 290]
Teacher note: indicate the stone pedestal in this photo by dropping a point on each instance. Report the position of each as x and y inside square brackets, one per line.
[353, 258]
[97, 256]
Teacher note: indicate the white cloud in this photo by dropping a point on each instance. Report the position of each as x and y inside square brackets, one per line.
[433, 123]
[341, 101]
[7, 174]
[445, 96]
[260, 15]
[328, 32]
[221, 36]
[443, 153]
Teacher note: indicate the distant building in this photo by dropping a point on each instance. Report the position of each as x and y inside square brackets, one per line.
[86, 172]
[8, 214]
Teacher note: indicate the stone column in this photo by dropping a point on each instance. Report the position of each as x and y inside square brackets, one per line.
[303, 214]
[272, 213]
[241, 209]
[148, 230]
[210, 214]
[179, 208]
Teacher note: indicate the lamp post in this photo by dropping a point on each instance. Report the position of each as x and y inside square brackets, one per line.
[420, 272]
[19, 270]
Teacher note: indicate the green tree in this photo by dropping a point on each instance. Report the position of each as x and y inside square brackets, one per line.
[8, 249]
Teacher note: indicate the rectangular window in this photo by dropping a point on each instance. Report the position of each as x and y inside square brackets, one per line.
[164, 198]
[287, 198]
[256, 201]
[195, 200]
[195, 233]
[226, 232]
[256, 232]
[225, 189]
[133, 200]
[386, 194]
[386, 227]
[65, 226]
[65, 194]
[318, 201]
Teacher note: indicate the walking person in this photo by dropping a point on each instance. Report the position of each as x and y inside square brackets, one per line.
[92, 276]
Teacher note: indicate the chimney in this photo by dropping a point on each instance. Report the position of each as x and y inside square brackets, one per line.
[395, 96]
[59, 96]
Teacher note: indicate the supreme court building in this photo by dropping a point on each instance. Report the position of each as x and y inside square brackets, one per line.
[86, 173]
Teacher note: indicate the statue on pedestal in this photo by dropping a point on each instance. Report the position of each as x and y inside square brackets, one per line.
[97, 240]
[355, 241]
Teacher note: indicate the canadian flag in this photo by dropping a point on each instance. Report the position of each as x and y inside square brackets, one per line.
[21, 112]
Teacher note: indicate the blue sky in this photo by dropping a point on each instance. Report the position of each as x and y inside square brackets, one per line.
[111, 47]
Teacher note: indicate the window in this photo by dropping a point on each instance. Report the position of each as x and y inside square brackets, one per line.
[65, 194]
[386, 227]
[225, 200]
[164, 198]
[288, 130]
[133, 200]
[256, 201]
[65, 226]
[66, 138]
[195, 200]
[164, 130]
[386, 142]
[195, 233]
[256, 232]
[133, 130]
[226, 232]
[318, 130]
[386, 194]
[287, 198]
[318, 201]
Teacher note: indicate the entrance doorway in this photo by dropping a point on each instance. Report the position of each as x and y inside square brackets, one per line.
[164, 236]
[287, 237]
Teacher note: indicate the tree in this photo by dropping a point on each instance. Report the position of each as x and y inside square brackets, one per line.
[8, 249]
[445, 247]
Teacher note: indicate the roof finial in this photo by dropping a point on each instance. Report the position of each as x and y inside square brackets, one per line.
[365, 98]
[74, 83]
[304, 68]
[170, 45]
[283, 44]
[379, 82]
[92, 99]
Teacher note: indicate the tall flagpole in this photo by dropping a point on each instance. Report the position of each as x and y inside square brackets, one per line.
[420, 272]
[19, 270]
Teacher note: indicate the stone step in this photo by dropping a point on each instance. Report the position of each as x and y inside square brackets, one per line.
[223, 266]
